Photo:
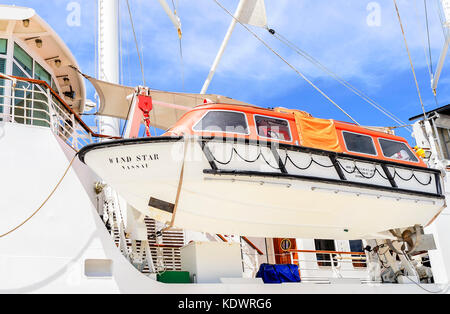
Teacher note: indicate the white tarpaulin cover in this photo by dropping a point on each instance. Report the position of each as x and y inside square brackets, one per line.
[254, 13]
[168, 107]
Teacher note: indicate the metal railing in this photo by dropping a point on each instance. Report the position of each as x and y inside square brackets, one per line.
[317, 266]
[34, 102]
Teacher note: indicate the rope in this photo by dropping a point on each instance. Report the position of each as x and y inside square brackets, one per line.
[136, 42]
[410, 59]
[286, 62]
[180, 185]
[332, 74]
[45, 201]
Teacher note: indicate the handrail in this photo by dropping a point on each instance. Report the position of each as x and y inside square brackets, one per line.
[327, 252]
[66, 106]
[252, 245]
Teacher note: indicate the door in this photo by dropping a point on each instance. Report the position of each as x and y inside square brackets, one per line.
[282, 247]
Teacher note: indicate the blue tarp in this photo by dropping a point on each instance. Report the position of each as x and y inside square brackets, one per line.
[278, 273]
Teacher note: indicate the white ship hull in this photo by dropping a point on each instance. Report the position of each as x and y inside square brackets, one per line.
[243, 192]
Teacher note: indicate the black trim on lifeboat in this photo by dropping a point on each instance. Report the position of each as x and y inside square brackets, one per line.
[321, 180]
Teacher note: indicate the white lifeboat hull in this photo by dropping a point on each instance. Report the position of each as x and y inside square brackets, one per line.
[252, 189]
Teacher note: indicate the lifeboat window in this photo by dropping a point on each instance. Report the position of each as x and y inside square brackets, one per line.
[223, 121]
[273, 128]
[396, 150]
[359, 143]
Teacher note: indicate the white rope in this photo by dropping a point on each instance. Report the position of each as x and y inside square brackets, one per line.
[287, 63]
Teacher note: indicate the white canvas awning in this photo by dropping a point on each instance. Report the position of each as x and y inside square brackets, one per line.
[168, 107]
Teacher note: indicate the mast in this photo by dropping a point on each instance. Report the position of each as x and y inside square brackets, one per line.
[108, 55]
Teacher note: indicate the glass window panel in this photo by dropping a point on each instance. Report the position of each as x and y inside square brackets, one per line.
[359, 143]
[357, 246]
[2, 85]
[223, 121]
[54, 86]
[397, 150]
[23, 99]
[41, 74]
[445, 141]
[273, 128]
[23, 59]
[41, 116]
[324, 245]
[3, 46]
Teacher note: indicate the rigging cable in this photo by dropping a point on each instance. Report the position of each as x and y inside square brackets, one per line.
[428, 35]
[339, 79]
[136, 42]
[430, 62]
[286, 62]
[175, 12]
[410, 59]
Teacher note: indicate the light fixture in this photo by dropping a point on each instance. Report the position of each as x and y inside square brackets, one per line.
[58, 63]
[26, 23]
[38, 42]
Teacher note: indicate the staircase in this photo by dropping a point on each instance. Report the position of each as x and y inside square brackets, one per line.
[165, 250]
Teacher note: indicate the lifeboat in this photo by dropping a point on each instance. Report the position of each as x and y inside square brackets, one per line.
[237, 169]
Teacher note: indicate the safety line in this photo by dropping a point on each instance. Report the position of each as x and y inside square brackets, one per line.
[287, 63]
[45, 201]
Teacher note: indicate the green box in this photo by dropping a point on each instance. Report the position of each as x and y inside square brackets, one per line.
[174, 277]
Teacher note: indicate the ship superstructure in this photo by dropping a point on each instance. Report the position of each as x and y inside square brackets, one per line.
[65, 229]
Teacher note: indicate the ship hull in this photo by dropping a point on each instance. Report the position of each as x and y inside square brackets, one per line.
[261, 190]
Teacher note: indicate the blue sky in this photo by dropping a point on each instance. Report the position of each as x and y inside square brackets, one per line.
[337, 33]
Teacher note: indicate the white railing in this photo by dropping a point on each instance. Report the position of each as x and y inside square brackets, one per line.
[33, 102]
[330, 265]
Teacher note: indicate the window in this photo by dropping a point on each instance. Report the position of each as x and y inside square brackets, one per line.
[357, 246]
[223, 121]
[444, 137]
[23, 95]
[396, 150]
[273, 128]
[3, 46]
[54, 86]
[23, 59]
[2, 85]
[359, 143]
[41, 74]
[325, 245]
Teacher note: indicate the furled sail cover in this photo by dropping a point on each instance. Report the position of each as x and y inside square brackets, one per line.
[168, 107]
[315, 132]
[254, 13]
